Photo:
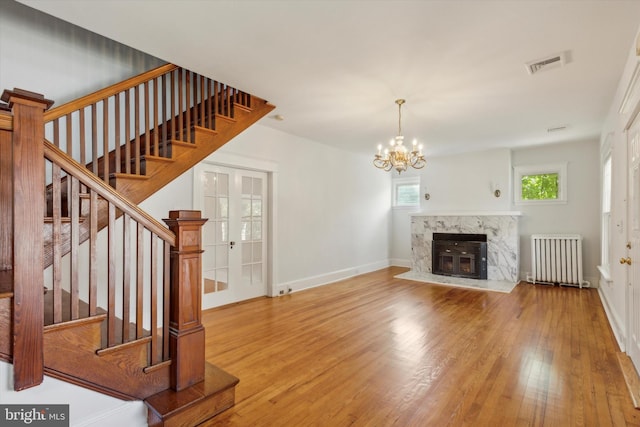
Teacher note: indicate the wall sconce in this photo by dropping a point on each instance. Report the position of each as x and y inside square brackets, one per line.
[427, 196]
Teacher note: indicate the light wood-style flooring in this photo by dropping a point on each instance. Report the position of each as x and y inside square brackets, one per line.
[379, 351]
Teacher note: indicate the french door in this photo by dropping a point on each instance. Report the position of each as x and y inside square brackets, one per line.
[234, 238]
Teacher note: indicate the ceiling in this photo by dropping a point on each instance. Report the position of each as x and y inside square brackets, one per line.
[334, 68]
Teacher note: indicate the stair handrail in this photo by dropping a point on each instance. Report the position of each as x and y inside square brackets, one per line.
[56, 155]
[92, 98]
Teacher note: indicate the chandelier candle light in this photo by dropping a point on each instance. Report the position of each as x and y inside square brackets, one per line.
[397, 156]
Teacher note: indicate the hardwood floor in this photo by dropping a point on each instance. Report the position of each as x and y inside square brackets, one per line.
[379, 351]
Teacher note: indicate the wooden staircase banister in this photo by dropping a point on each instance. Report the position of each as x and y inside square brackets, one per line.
[56, 155]
[128, 298]
[101, 94]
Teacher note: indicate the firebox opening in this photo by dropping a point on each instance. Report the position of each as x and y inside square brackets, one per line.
[459, 255]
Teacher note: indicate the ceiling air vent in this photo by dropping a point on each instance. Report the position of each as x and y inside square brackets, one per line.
[553, 61]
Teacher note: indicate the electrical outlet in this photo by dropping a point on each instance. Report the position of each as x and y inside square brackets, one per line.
[289, 291]
[281, 291]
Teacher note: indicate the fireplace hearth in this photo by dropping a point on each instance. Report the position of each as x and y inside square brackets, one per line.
[460, 255]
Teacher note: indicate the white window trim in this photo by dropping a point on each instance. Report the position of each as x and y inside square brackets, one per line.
[404, 181]
[606, 234]
[520, 171]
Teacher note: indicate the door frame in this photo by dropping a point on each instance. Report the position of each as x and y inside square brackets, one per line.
[237, 161]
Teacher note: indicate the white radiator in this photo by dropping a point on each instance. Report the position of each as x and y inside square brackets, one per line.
[556, 258]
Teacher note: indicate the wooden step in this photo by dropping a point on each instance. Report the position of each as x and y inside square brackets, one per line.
[196, 404]
[73, 352]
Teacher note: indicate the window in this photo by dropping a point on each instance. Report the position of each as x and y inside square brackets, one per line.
[406, 192]
[540, 184]
[606, 211]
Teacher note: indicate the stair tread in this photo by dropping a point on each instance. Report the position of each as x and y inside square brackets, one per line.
[64, 219]
[169, 402]
[158, 158]
[127, 175]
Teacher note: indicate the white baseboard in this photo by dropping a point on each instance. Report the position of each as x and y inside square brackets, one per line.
[617, 325]
[331, 277]
[399, 262]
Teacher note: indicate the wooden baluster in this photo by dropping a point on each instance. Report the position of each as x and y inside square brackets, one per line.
[93, 253]
[147, 125]
[166, 313]
[139, 281]
[69, 142]
[75, 245]
[209, 112]
[195, 119]
[202, 103]
[83, 148]
[154, 298]
[136, 130]
[156, 148]
[111, 277]
[215, 99]
[127, 131]
[181, 111]
[94, 138]
[228, 101]
[28, 214]
[187, 332]
[105, 139]
[172, 117]
[56, 132]
[165, 143]
[118, 147]
[126, 276]
[188, 108]
[56, 242]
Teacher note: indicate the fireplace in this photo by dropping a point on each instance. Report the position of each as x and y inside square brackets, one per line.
[460, 255]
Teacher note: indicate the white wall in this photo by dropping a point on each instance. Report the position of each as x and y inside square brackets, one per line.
[332, 206]
[43, 54]
[581, 213]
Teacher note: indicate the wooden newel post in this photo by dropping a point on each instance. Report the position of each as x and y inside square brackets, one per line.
[28, 215]
[185, 322]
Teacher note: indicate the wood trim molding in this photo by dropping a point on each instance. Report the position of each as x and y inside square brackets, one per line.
[99, 95]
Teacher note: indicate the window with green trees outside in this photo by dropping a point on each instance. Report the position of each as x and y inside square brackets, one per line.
[539, 187]
[540, 184]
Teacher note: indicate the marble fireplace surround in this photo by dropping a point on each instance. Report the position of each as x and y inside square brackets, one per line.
[501, 228]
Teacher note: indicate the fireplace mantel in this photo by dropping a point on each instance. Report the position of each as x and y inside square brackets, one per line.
[501, 228]
[466, 213]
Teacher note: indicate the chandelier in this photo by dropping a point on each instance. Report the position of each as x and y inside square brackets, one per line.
[397, 156]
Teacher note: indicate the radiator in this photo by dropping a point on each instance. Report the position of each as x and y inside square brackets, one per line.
[556, 259]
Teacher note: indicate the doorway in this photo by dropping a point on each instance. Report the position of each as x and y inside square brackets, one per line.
[234, 239]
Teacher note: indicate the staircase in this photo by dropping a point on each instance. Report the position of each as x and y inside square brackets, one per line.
[115, 304]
